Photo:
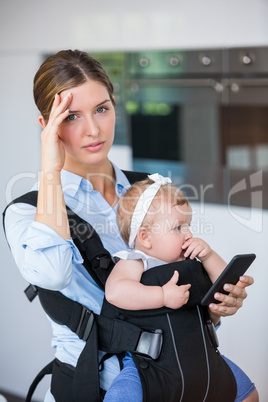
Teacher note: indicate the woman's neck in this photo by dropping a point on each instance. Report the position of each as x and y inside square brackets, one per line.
[101, 176]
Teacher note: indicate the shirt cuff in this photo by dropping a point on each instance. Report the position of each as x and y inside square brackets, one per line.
[218, 325]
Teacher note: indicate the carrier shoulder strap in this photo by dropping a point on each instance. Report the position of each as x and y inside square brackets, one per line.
[134, 176]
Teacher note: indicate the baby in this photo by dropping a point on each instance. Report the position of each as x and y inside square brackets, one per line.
[154, 219]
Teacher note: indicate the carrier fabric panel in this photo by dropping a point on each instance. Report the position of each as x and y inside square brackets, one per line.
[188, 367]
[190, 271]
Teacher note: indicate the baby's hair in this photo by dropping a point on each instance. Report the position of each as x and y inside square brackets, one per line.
[126, 206]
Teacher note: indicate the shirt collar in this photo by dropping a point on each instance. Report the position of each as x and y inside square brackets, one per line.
[122, 183]
[71, 182]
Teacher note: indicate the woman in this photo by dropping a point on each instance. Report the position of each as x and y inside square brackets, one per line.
[75, 99]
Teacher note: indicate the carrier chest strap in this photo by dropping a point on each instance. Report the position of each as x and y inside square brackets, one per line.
[114, 335]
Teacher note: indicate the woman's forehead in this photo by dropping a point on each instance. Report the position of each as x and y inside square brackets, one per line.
[91, 92]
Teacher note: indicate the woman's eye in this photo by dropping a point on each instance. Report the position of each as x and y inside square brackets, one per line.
[101, 109]
[72, 117]
[177, 228]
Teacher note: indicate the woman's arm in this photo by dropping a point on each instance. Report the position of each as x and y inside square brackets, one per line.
[232, 302]
[39, 238]
[214, 265]
[124, 290]
[51, 209]
[43, 257]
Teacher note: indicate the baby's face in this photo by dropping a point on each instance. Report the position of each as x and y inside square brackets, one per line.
[169, 230]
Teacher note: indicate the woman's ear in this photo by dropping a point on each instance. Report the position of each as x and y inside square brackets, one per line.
[144, 237]
[42, 121]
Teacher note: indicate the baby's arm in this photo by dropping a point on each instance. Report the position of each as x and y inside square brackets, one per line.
[124, 290]
[212, 262]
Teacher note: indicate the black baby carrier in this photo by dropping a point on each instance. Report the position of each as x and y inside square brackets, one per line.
[175, 351]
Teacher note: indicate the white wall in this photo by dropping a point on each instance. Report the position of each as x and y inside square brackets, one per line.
[243, 337]
[30, 28]
[34, 26]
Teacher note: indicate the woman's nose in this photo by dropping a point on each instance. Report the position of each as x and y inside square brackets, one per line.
[91, 128]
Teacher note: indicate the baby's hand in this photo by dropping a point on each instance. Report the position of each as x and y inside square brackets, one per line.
[196, 247]
[175, 296]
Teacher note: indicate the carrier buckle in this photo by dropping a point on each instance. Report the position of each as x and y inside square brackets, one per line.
[150, 343]
[85, 324]
[104, 261]
[31, 292]
[212, 334]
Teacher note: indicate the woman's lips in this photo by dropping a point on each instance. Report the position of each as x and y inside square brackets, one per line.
[96, 146]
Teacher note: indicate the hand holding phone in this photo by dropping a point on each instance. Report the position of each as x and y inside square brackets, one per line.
[236, 267]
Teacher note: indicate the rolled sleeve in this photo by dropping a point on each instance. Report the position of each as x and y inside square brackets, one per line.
[42, 237]
[49, 259]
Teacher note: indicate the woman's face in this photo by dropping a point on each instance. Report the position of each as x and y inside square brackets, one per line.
[88, 132]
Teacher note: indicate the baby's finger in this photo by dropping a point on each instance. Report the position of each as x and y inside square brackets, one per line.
[186, 287]
[197, 252]
[175, 277]
[187, 293]
[192, 250]
[202, 252]
[188, 248]
[187, 243]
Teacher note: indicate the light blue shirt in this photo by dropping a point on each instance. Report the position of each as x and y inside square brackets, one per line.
[47, 260]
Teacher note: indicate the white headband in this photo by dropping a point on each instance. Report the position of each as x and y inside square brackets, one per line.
[144, 203]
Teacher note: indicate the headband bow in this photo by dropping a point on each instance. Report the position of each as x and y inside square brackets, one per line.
[144, 203]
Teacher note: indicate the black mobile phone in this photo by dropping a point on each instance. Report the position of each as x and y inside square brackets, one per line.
[236, 267]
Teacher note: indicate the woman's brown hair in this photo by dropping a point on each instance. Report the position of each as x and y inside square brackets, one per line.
[63, 70]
